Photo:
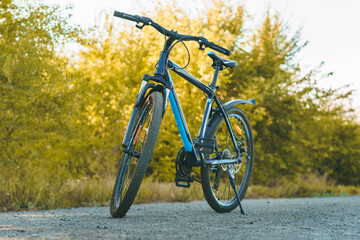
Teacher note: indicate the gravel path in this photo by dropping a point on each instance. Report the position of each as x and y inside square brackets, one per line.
[302, 218]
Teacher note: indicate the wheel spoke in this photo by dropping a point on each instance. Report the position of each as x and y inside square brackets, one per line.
[220, 185]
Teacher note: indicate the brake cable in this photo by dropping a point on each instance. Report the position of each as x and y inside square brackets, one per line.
[187, 64]
[171, 47]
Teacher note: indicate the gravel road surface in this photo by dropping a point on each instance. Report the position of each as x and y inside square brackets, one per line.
[301, 218]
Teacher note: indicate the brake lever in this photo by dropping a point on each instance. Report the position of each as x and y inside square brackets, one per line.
[144, 20]
[202, 43]
[140, 26]
[201, 46]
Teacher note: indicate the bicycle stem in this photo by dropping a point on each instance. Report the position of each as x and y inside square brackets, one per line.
[164, 57]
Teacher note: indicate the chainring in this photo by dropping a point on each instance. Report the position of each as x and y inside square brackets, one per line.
[182, 166]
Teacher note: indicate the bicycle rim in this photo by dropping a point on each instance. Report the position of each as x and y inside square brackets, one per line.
[130, 161]
[137, 156]
[218, 192]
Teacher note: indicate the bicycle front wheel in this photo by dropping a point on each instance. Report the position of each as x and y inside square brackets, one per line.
[215, 180]
[137, 155]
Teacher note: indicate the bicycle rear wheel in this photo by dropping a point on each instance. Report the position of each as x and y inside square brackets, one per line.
[137, 155]
[215, 180]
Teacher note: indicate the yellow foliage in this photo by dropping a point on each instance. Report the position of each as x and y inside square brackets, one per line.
[62, 120]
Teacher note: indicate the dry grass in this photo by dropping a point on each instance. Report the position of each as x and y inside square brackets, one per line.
[46, 195]
[310, 186]
[155, 191]
[97, 192]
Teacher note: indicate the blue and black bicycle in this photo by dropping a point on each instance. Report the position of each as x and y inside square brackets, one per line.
[223, 149]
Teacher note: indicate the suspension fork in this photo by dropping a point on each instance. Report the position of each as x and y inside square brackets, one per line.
[126, 138]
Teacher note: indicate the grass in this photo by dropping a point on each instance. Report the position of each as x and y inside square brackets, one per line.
[155, 191]
[97, 192]
[70, 193]
[310, 186]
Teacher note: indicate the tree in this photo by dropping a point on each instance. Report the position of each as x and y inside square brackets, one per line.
[62, 120]
[40, 137]
[289, 105]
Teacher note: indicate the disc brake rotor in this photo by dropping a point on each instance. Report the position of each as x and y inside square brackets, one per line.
[226, 154]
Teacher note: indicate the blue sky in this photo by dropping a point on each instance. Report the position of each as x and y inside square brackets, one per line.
[330, 26]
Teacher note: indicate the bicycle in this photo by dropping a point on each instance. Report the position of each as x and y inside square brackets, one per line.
[224, 144]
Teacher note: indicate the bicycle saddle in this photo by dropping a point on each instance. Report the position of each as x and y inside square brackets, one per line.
[223, 61]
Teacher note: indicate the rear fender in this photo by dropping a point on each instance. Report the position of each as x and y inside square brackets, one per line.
[232, 103]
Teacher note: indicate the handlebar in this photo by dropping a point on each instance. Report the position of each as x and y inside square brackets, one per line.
[203, 42]
[127, 16]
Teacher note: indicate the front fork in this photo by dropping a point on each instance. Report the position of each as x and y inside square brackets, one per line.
[145, 89]
[132, 119]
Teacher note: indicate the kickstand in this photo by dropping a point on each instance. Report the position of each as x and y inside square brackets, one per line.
[233, 184]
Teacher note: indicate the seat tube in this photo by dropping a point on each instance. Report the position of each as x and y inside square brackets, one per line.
[208, 104]
[205, 117]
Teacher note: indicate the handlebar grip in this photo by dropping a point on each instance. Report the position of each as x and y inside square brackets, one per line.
[126, 16]
[219, 49]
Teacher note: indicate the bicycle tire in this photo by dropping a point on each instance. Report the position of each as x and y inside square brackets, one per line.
[122, 197]
[213, 176]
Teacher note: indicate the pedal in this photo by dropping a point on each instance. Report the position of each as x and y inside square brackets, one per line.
[182, 182]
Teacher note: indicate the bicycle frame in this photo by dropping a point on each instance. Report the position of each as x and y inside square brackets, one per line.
[163, 77]
[180, 118]
[195, 152]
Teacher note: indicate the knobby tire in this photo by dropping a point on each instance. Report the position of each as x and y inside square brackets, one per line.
[128, 178]
[215, 179]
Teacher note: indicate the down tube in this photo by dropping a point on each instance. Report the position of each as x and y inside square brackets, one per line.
[179, 118]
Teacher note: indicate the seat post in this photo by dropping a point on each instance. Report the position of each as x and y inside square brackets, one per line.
[216, 74]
